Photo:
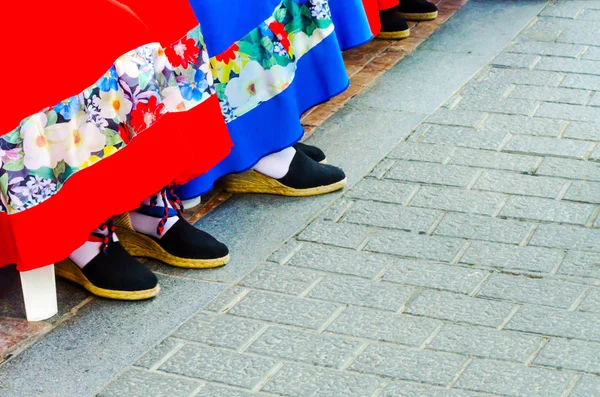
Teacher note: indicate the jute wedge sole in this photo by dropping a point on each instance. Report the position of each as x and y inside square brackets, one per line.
[143, 246]
[69, 270]
[255, 182]
[424, 16]
[394, 35]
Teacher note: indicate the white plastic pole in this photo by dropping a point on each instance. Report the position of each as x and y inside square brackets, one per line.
[39, 293]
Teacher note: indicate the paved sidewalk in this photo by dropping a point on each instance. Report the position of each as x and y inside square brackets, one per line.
[466, 263]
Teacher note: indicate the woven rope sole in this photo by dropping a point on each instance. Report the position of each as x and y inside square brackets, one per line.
[394, 35]
[255, 182]
[143, 246]
[69, 270]
[424, 16]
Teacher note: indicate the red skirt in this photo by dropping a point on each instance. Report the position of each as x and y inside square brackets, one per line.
[79, 144]
[372, 7]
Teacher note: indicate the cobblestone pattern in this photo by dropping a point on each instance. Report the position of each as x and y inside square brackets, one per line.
[466, 264]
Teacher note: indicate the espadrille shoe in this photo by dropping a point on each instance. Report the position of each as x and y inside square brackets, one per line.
[112, 274]
[393, 26]
[312, 151]
[417, 10]
[181, 246]
[305, 177]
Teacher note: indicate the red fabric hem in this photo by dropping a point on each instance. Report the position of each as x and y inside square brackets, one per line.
[372, 10]
[180, 146]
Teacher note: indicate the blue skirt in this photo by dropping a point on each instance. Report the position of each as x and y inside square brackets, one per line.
[296, 62]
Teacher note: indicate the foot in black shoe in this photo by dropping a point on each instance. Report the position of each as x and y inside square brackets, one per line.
[305, 177]
[182, 245]
[393, 26]
[312, 151]
[114, 275]
[417, 10]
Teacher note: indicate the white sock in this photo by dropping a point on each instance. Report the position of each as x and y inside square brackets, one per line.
[147, 225]
[89, 250]
[276, 165]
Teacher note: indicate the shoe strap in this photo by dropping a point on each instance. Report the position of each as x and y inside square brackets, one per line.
[167, 196]
[106, 239]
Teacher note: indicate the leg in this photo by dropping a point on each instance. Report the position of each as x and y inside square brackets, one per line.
[39, 293]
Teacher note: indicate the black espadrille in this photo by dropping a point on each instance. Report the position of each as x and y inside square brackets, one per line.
[417, 10]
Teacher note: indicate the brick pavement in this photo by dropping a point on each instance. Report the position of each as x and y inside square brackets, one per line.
[466, 264]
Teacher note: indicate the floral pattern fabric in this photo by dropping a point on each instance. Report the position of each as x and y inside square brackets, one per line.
[263, 63]
[38, 157]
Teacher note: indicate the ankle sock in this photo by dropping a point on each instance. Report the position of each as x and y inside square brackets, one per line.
[148, 224]
[276, 165]
[90, 249]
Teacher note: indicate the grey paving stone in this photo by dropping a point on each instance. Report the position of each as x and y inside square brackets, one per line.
[435, 275]
[463, 137]
[512, 60]
[449, 175]
[566, 237]
[549, 49]
[517, 106]
[457, 118]
[421, 152]
[547, 146]
[582, 81]
[303, 381]
[583, 191]
[490, 88]
[587, 131]
[467, 201]
[386, 191]
[214, 391]
[528, 77]
[552, 94]
[218, 366]
[313, 349]
[506, 182]
[404, 389]
[459, 308]
[340, 234]
[391, 216]
[581, 264]
[409, 364]
[590, 15]
[288, 280]
[511, 257]
[415, 246]
[595, 101]
[570, 354]
[582, 33]
[565, 111]
[284, 310]
[572, 169]
[156, 354]
[340, 260]
[524, 125]
[558, 64]
[485, 342]
[355, 291]
[524, 289]
[476, 227]
[495, 160]
[588, 385]
[218, 330]
[591, 303]
[539, 209]
[136, 383]
[383, 326]
[284, 253]
[563, 10]
[382, 168]
[556, 322]
[545, 30]
[595, 156]
[336, 210]
[513, 380]
[592, 53]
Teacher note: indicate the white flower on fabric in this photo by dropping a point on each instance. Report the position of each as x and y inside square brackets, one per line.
[279, 78]
[161, 61]
[113, 104]
[249, 89]
[172, 99]
[40, 149]
[126, 64]
[80, 139]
